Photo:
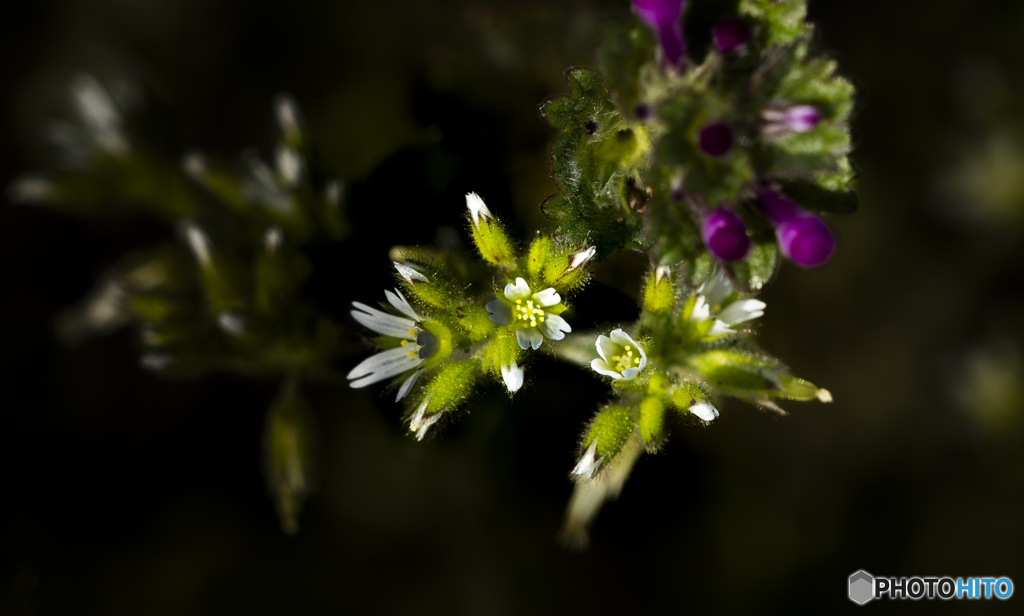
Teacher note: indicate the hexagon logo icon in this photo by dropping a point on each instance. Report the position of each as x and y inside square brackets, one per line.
[862, 587]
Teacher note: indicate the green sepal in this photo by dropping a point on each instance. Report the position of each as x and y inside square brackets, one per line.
[474, 322]
[452, 384]
[687, 394]
[652, 420]
[493, 243]
[502, 350]
[659, 293]
[611, 429]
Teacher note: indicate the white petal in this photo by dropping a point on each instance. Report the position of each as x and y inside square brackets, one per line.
[547, 297]
[824, 395]
[529, 337]
[409, 273]
[513, 377]
[383, 365]
[643, 360]
[701, 310]
[501, 312]
[720, 329]
[581, 258]
[553, 326]
[600, 366]
[587, 463]
[622, 338]
[429, 421]
[704, 410]
[403, 391]
[398, 300]
[477, 208]
[605, 347]
[382, 322]
[717, 288]
[662, 272]
[417, 416]
[630, 373]
[742, 310]
[519, 290]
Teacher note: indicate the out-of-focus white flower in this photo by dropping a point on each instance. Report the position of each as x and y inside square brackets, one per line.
[415, 344]
[523, 310]
[621, 357]
[717, 300]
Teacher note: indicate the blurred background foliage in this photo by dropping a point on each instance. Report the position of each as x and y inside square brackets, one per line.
[128, 494]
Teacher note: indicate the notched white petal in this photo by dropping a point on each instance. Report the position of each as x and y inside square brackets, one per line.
[398, 300]
[547, 297]
[555, 327]
[529, 338]
[605, 347]
[500, 312]
[382, 322]
[519, 290]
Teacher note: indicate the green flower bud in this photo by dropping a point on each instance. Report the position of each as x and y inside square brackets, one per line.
[490, 237]
[652, 420]
[660, 292]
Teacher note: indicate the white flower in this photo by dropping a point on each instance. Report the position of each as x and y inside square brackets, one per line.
[513, 377]
[714, 302]
[589, 462]
[523, 310]
[477, 208]
[415, 344]
[621, 357]
[704, 410]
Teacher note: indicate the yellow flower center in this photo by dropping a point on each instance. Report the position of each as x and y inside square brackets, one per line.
[528, 314]
[626, 359]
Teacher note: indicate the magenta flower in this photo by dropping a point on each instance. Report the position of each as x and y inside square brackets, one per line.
[665, 17]
[803, 237]
[795, 119]
[725, 235]
[731, 34]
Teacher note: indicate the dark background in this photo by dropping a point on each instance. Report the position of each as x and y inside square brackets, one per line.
[127, 494]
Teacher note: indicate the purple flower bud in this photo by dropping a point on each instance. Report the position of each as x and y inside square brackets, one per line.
[777, 208]
[716, 139]
[726, 235]
[796, 119]
[730, 34]
[806, 240]
[664, 17]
